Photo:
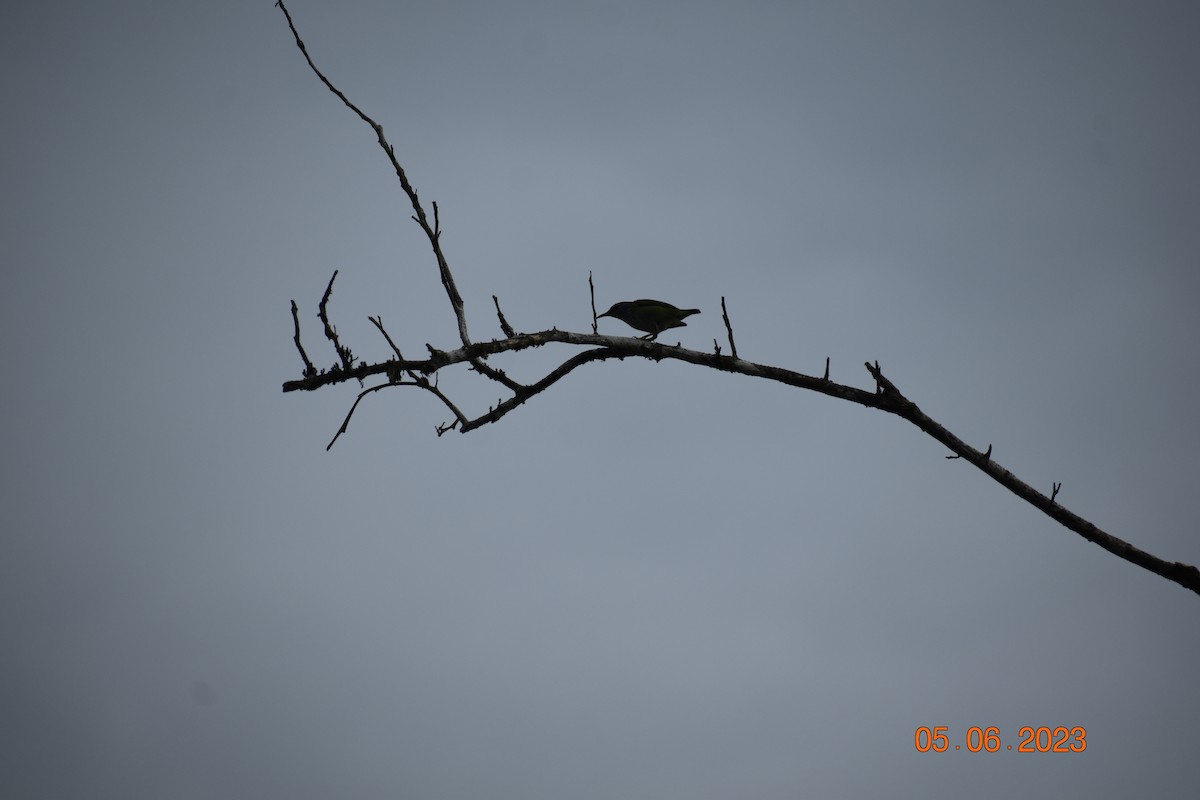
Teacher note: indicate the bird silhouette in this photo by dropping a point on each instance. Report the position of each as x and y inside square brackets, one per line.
[652, 316]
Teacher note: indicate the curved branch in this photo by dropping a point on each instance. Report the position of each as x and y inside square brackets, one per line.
[896, 403]
[886, 396]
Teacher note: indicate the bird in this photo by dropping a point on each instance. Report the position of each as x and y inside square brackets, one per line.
[652, 316]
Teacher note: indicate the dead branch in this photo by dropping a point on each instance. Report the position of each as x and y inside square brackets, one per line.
[400, 372]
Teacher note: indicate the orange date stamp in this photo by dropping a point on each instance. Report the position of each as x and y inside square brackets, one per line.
[1030, 739]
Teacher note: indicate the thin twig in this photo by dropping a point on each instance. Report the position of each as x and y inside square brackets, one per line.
[504, 326]
[344, 354]
[309, 369]
[728, 329]
[350, 413]
[378, 322]
[592, 292]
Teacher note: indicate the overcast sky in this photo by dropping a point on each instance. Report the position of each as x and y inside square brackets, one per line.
[655, 580]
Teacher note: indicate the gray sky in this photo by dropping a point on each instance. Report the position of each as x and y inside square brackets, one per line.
[654, 581]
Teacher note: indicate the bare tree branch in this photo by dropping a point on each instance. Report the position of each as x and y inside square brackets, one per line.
[886, 396]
